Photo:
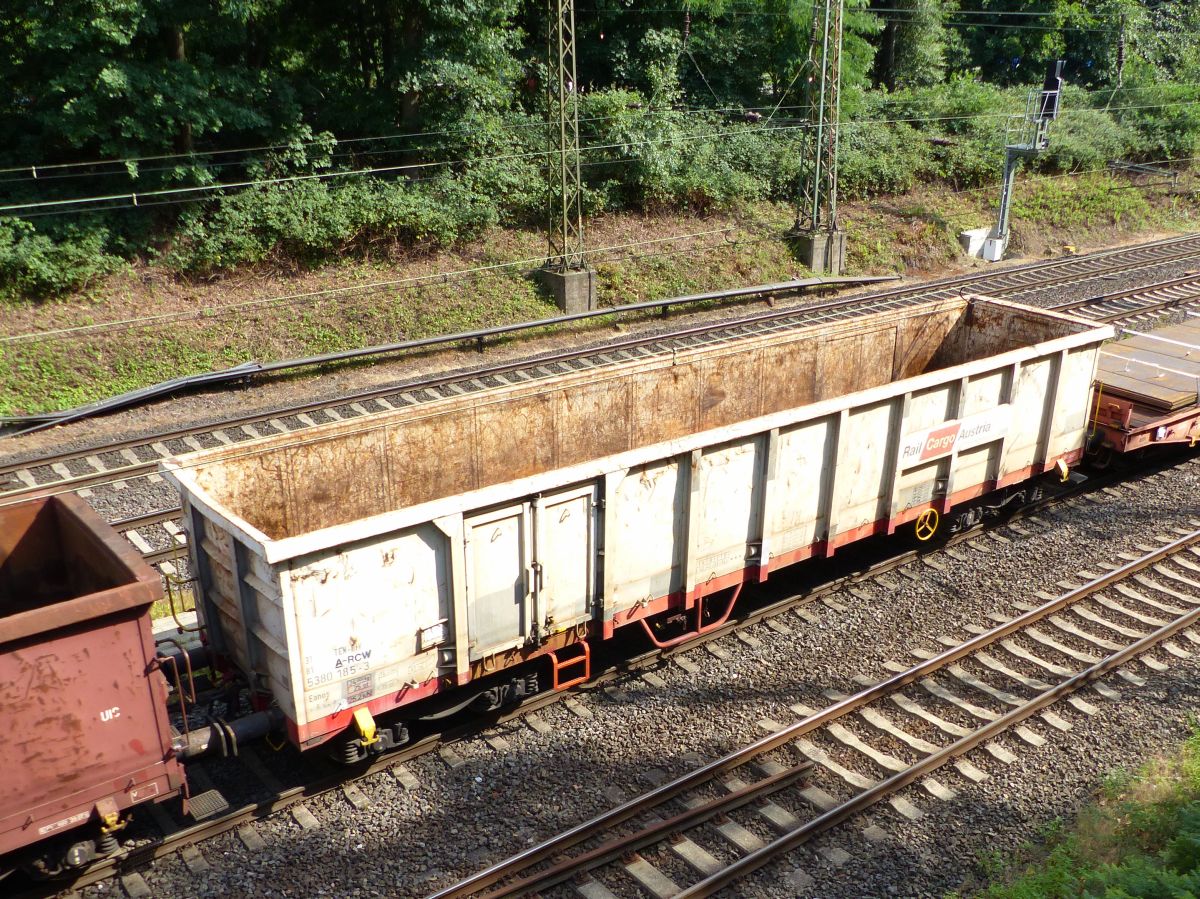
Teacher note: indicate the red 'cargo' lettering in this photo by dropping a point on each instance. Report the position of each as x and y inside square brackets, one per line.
[940, 441]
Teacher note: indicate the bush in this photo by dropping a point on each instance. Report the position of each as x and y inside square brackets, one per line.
[878, 159]
[1164, 120]
[964, 124]
[1144, 841]
[34, 265]
[310, 221]
[669, 158]
[1084, 138]
[637, 148]
[961, 106]
[641, 152]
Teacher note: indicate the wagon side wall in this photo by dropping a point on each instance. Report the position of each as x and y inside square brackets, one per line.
[82, 695]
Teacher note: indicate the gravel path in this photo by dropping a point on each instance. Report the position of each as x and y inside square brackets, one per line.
[516, 784]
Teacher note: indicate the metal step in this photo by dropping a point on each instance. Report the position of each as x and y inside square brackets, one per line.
[207, 804]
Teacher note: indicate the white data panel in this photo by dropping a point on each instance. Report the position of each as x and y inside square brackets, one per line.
[358, 616]
[727, 518]
[645, 530]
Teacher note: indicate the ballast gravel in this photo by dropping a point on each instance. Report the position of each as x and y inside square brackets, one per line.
[508, 793]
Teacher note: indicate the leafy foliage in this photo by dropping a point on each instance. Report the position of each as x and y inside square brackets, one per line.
[311, 221]
[697, 107]
[1142, 841]
[33, 265]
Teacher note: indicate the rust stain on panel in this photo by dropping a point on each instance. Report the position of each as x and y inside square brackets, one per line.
[789, 375]
[514, 439]
[918, 341]
[433, 457]
[665, 403]
[593, 420]
[858, 362]
[730, 389]
[342, 479]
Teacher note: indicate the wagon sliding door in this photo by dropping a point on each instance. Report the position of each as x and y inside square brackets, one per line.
[499, 604]
[531, 569]
[564, 567]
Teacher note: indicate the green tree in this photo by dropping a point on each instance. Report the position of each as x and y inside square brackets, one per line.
[377, 66]
[1012, 42]
[913, 42]
[122, 78]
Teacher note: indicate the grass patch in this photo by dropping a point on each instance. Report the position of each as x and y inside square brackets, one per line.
[184, 602]
[1140, 838]
[1081, 204]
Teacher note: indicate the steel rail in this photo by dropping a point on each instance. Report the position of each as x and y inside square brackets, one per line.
[766, 291]
[512, 866]
[692, 817]
[800, 835]
[158, 516]
[1136, 294]
[247, 371]
[1016, 279]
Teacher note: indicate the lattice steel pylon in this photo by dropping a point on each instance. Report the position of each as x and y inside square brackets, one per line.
[566, 184]
[816, 205]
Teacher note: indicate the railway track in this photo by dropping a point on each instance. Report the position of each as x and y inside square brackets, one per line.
[1140, 305]
[119, 463]
[174, 835]
[1000, 678]
[159, 536]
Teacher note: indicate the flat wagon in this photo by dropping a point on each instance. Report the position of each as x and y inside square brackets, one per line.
[84, 733]
[1146, 389]
[358, 567]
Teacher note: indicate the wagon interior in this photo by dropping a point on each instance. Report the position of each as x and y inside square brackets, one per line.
[344, 472]
[48, 555]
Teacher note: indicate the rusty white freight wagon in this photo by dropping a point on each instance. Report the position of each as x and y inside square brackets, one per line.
[360, 566]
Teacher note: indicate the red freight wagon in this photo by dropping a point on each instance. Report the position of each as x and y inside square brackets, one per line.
[84, 732]
[1146, 389]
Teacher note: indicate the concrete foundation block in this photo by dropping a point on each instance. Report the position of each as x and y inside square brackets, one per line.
[980, 243]
[972, 240]
[573, 291]
[823, 252]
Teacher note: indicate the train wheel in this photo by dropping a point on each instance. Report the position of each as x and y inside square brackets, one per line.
[927, 524]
